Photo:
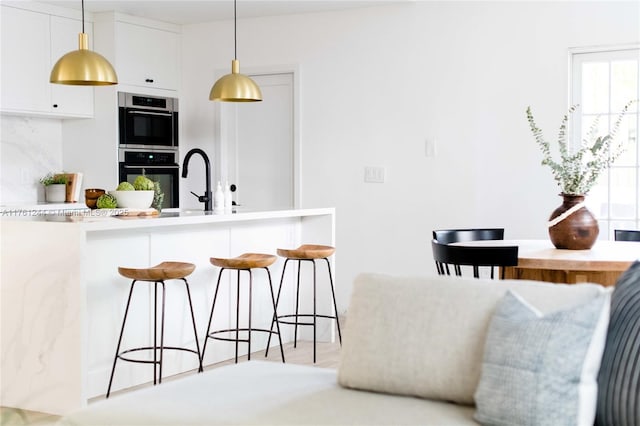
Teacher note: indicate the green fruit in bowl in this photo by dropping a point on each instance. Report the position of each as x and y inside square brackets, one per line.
[125, 186]
[143, 183]
[107, 201]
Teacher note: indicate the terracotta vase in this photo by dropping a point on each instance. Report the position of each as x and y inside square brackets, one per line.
[577, 231]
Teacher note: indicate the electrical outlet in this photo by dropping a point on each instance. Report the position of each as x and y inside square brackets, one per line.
[374, 174]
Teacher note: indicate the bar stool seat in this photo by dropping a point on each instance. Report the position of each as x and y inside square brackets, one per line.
[306, 253]
[244, 262]
[155, 274]
[160, 272]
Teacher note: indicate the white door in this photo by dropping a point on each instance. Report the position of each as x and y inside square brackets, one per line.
[260, 145]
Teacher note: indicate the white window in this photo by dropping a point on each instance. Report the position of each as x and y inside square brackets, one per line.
[602, 82]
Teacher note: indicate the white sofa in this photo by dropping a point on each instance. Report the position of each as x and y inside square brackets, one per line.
[415, 351]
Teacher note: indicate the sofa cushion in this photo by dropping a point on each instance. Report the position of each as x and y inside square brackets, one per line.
[264, 393]
[619, 377]
[542, 370]
[424, 336]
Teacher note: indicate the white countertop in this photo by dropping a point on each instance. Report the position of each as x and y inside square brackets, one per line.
[98, 220]
[51, 208]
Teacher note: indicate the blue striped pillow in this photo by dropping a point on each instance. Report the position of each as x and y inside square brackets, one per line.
[619, 377]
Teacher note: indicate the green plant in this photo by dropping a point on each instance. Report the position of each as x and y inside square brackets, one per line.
[578, 170]
[53, 179]
[158, 196]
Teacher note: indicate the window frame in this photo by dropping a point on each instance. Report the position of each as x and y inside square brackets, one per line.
[609, 54]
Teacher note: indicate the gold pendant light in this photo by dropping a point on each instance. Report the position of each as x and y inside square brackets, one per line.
[83, 67]
[235, 87]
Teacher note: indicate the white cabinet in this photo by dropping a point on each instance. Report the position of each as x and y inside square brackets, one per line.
[31, 44]
[146, 56]
[66, 99]
[25, 59]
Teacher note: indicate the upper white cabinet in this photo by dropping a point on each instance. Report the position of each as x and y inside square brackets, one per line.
[146, 56]
[66, 99]
[31, 44]
[25, 60]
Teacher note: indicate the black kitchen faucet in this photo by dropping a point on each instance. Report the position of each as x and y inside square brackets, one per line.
[207, 198]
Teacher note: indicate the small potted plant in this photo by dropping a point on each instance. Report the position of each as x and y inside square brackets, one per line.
[55, 187]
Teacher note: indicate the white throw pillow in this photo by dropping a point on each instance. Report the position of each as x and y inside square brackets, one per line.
[424, 336]
[542, 369]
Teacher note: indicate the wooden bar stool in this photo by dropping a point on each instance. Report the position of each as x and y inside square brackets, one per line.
[308, 253]
[245, 262]
[158, 275]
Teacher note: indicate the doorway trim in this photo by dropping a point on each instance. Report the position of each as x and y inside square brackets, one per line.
[225, 123]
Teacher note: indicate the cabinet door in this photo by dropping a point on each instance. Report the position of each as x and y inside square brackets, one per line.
[25, 60]
[65, 99]
[147, 56]
[32, 42]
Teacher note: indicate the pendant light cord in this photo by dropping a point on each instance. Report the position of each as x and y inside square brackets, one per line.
[83, 16]
[235, 32]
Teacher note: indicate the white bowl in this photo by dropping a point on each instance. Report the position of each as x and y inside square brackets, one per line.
[133, 199]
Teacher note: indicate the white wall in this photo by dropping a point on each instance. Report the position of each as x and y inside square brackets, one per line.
[376, 82]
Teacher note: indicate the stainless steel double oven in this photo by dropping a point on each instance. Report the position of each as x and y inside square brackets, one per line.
[148, 132]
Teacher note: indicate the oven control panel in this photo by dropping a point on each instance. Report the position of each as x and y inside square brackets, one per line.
[148, 158]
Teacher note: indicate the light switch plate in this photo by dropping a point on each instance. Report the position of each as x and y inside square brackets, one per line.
[374, 174]
[430, 147]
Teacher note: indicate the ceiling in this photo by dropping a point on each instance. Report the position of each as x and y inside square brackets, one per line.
[195, 11]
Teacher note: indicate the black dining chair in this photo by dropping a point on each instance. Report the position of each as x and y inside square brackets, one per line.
[626, 235]
[448, 236]
[449, 257]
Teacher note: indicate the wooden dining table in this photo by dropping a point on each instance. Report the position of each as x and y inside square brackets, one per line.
[539, 260]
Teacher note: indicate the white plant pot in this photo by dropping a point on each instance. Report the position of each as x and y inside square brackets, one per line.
[56, 193]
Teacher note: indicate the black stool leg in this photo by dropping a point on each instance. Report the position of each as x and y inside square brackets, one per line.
[335, 305]
[237, 315]
[124, 320]
[155, 332]
[207, 337]
[193, 321]
[249, 331]
[161, 332]
[157, 364]
[315, 318]
[295, 327]
[273, 300]
[275, 310]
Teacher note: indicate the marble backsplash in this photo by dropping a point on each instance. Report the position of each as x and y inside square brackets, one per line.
[29, 149]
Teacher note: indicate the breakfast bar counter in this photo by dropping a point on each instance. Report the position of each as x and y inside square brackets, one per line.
[63, 299]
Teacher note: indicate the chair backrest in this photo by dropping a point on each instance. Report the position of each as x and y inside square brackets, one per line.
[446, 255]
[448, 236]
[626, 235]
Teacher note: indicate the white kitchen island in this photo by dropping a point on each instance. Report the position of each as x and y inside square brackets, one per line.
[63, 300]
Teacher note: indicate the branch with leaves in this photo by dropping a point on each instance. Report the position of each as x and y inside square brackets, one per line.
[577, 171]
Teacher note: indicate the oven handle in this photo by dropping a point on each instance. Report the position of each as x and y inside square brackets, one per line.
[150, 166]
[164, 114]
